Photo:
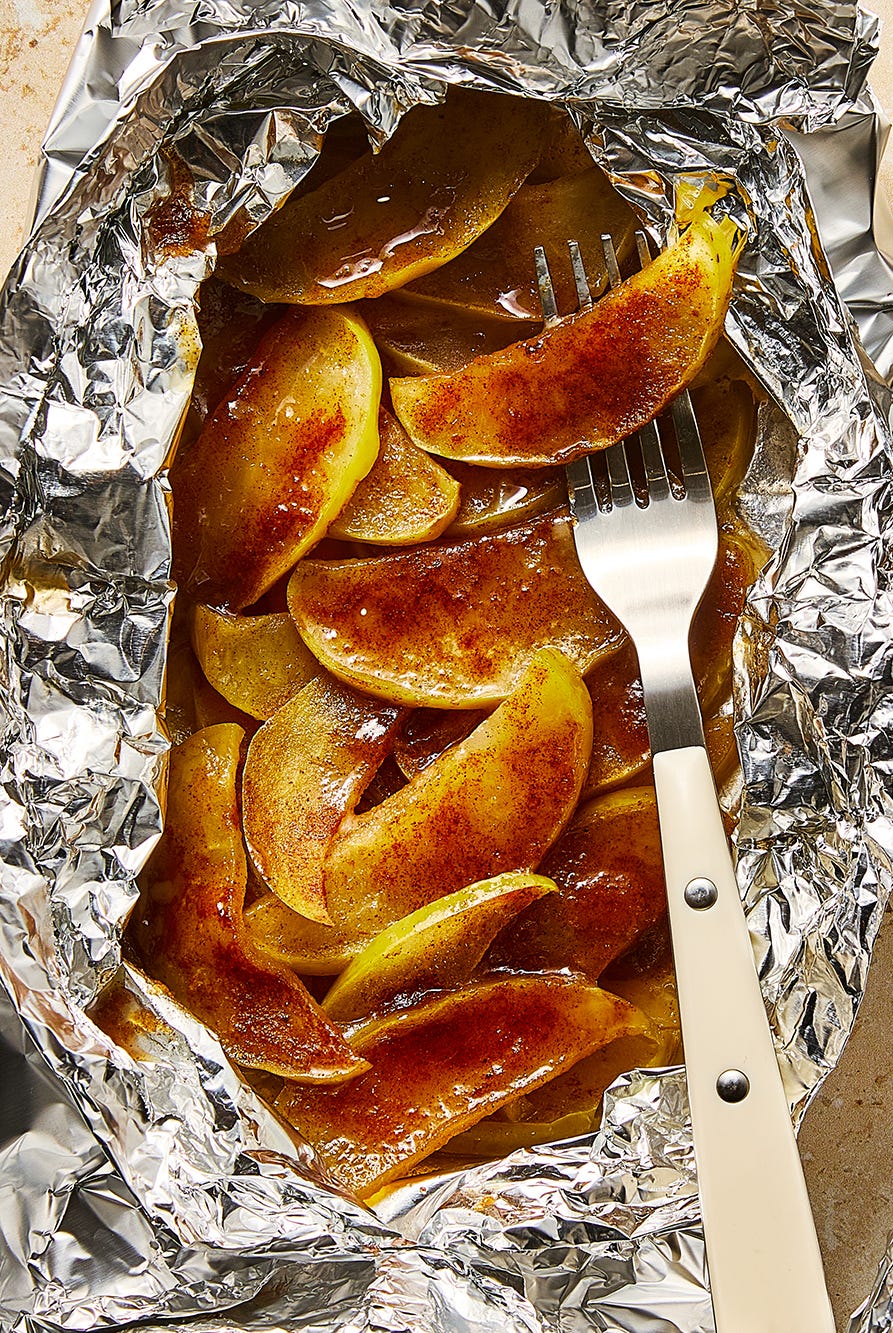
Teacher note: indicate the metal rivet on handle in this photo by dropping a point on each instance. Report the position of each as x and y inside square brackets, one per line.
[700, 893]
[732, 1085]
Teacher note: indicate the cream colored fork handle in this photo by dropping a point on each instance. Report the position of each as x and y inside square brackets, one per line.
[762, 1252]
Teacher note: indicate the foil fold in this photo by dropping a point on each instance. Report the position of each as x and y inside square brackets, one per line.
[152, 1184]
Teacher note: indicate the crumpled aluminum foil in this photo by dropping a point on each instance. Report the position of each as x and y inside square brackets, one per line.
[160, 1187]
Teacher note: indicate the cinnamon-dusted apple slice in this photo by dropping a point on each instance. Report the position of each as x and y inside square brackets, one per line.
[492, 804]
[436, 948]
[495, 277]
[447, 172]
[305, 769]
[439, 1067]
[591, 379]
[425, 339]
[406, 498]
[278, 458]
[609, 871]
[189, 927]
[454, 623]
[256, 662]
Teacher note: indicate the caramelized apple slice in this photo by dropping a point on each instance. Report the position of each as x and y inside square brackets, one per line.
[391, 216]
[496, 276]
[609, 871]
[590, 380]
[495, 802]
[407, 497]
[425, 339]
[455, 623]
[305, 769]
[278, 458]
[494, 498]
[189, 927]
[308, 947]
[439, 1067]
[256, 662]
[436, 948]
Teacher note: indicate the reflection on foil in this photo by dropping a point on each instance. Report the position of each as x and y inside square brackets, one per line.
[150, 1183]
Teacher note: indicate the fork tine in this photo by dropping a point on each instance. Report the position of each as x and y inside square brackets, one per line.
[643, 248]
[544, 283]
[618, 475]
[691, 451]
[611, 259]
[581, 282]
[581, 484]
[655, 463]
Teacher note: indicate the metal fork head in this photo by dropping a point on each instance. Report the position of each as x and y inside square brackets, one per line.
[646, 538]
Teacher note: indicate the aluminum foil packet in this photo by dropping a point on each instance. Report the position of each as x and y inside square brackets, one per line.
[153, 1185]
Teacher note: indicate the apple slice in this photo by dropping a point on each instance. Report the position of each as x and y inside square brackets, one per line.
[256, 662]
[189, 927]
[494, 803]
[495, 498]
[308, 947]
[391, 216]
[591, 379]
[278, 458]
[406, 498]
[425, 339]
[436, 948]
[305, 769]
[439, 1067]
[495, 277]
[609, 871]
[454, 623]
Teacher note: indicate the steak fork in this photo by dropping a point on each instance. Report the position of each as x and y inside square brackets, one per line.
[648, 551]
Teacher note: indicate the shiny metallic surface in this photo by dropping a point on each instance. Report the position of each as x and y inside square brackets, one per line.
[732, 1085]
[153, 1185]
[700, 894]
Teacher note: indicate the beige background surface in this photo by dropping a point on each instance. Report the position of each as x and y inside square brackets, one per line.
[847, 1141]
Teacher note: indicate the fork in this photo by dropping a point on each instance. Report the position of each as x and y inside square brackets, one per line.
[648, 553]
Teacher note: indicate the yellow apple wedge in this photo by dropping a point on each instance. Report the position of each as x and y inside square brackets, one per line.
[591, 379]
[256, 662]
[495, 277]
[436, 948]
[305, 769]
[278, 458]
[494, 803]
[189, 926]
[454, 623]
[391, 216]
[442, 1065]
[426, 339]
[497, 497]
[406, 498]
